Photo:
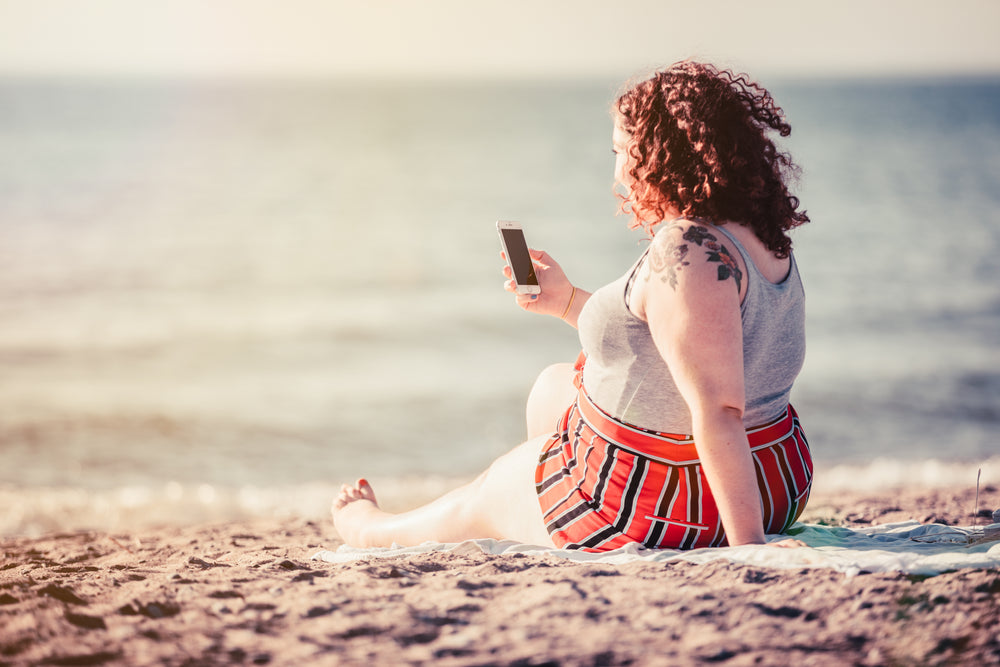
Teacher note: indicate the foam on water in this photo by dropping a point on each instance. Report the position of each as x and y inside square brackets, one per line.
[884, 474]
[33, 511]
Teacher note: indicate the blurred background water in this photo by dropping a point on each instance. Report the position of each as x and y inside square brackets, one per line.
[219, 299]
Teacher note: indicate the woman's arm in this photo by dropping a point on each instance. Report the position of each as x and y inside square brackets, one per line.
[559, 297]
[693, 310]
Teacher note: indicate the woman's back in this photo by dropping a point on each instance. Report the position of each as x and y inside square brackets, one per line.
[627, 377]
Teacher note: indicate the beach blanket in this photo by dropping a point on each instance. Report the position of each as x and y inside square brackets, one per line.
[908, 547]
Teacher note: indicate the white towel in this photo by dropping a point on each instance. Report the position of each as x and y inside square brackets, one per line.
[909, 547]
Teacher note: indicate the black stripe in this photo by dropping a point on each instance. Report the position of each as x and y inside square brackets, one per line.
[765, 495]
[653, 541]
[720, 535]
[631, 494]
[694, 497]
[550, 453]
[551, 480]
[656, 530]
[598, 537]
[569, 515]
[666, 500]
[691, 535]
[561, 505]
[610, 455]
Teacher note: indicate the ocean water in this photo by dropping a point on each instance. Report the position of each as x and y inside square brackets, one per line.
[222, 299]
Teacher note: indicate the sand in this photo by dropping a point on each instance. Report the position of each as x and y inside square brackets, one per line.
[248, 593]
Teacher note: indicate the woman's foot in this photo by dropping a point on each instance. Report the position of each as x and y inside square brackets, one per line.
[354, 509]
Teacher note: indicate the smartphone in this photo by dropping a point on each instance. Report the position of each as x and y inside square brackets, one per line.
[516, 249]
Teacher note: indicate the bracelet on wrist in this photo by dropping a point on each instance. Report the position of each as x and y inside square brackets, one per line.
[569, 305]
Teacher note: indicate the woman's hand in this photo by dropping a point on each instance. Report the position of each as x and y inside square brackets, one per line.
[557, 290]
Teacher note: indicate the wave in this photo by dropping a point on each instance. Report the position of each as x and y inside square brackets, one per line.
[886, 474]
[34, 511]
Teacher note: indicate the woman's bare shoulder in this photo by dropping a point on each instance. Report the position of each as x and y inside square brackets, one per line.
[691, 254]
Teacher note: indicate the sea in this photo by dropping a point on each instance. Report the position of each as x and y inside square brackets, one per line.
[221, 299]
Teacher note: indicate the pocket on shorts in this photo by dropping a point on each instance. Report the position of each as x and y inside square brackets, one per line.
[678, 522]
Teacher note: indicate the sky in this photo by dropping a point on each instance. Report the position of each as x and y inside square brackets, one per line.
[488, 38]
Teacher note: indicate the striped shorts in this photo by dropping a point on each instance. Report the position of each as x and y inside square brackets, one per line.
[603, 484]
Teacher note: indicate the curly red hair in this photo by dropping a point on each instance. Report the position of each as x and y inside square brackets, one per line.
[698, 144]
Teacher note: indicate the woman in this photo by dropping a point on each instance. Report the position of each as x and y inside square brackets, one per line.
[674, 428]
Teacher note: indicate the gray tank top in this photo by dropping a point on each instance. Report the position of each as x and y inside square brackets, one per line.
[626, 376]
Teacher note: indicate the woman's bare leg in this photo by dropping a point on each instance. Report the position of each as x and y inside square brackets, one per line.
[551, 395]
[500, 503]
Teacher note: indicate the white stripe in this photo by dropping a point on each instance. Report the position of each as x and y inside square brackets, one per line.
[701, 496]
[774, 442]
[687, 524]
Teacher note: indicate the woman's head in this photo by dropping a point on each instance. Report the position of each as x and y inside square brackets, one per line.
[696, 144]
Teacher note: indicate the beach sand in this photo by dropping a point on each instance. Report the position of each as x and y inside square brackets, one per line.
[248, 593]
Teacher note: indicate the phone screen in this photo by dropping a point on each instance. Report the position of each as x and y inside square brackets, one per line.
[517, 255]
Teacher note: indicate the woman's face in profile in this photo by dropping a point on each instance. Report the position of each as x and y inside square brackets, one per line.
[625, 182]
[619, 144]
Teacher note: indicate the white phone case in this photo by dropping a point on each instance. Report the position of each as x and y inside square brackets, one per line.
[516, 250]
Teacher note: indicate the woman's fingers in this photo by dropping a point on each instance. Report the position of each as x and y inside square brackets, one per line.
[555, 287]
[526, 301]
[541, 258]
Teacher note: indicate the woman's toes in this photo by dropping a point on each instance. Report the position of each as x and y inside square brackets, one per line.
[361, 490]
[365, 490]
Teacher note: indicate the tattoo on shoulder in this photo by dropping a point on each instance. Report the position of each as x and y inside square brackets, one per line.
[668, 260]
